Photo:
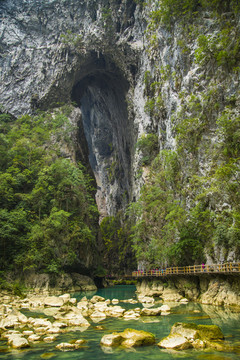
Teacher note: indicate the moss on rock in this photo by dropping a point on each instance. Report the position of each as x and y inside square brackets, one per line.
[129, 338]
[203, 332]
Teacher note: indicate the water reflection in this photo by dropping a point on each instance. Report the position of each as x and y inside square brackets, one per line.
[222, 316]
[227, 319]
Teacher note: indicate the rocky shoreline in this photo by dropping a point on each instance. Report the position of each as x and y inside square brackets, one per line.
[211, 289]
[20, 331]
[62, 314]
[43, 283]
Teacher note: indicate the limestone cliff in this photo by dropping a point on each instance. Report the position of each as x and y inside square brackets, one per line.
[130, 74]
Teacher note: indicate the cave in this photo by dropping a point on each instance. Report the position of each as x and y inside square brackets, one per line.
[100, 92]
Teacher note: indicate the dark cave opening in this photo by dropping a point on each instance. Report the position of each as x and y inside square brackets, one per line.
[101, 95]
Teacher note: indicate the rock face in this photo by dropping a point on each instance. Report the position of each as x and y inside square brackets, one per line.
[63, 51]
[65, 282]
[211, 289]
[97, 53]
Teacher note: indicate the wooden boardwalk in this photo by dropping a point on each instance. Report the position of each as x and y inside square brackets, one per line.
[228, 268]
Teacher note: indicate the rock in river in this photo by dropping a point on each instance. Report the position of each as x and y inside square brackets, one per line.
[186, 335]
[128, 338]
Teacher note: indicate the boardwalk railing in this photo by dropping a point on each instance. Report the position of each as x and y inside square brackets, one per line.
[194, 269]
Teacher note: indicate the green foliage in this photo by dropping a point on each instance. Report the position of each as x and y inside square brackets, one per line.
[108, 24]
[14, 287]
[169, 11]
[186, 251]
[229, 132]
[48, 214]
[118, 257]
[18, 289]
[154, 105]
[222, 49]
[72, 40]
[190, 202]
[148, 145]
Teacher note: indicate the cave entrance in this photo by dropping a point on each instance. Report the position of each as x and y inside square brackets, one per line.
[101, 95]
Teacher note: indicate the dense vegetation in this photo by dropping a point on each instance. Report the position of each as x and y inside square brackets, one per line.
[48, 216]
[118, 256]
[189, 206]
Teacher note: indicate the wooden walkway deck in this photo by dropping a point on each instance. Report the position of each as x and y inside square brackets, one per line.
[228, 268]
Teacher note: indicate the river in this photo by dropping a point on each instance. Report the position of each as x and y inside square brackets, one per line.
[229, 322]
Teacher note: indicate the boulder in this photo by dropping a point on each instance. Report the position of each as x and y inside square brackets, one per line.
[72, 317]
[53, 330]
[50, 338]
[175, 342]
[40, 330]
[73, 301]
[131, 314]
[114, 339]
[51, 311]
[137, 338]
[193, 331]
[80, 342]
[115, 301]
[36, 302]
[64, 346]
[151, 312]
[34, 337]
[96, 299]
[128, 338]
[13, 318]
[133, 301]
[165, 309]
[83, 306]
[45, 323]
[59, 324]
[65, 297]
[146, 299]
[28, 332]
[98, 315]
[17, 341]
[101, 306]
[188, 331]
[115, 311]
[53, 301]
[187, 335]
[7, 334]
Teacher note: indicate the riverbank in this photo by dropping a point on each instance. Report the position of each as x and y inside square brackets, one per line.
[215, 289]
[74, 326]
[47, 284]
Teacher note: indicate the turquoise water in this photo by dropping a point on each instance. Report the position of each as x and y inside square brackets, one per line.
[228, 321]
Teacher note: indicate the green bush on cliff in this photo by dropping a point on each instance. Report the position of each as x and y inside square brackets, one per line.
[148, 145]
